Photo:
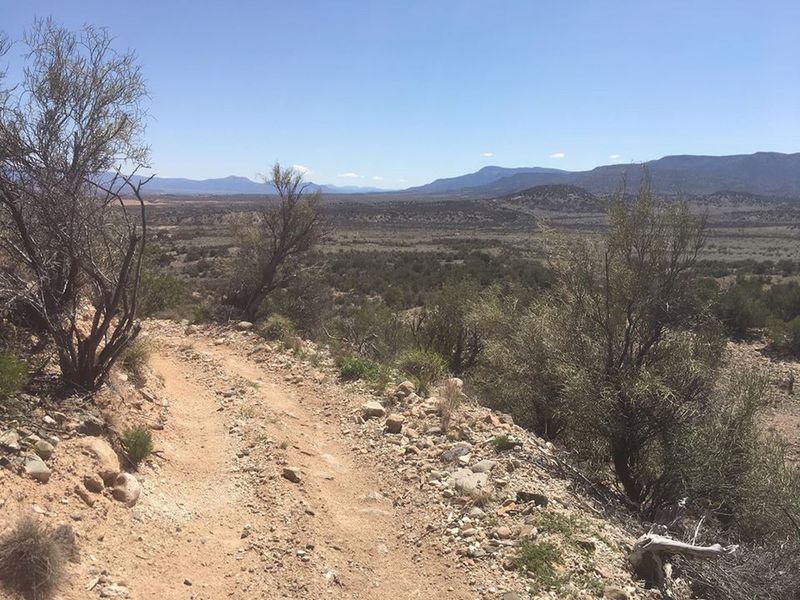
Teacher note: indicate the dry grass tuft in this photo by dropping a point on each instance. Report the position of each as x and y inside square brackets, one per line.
[450, 402]
[32, 559]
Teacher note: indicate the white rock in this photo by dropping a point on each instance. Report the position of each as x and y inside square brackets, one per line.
[126, 489]
[372, 409]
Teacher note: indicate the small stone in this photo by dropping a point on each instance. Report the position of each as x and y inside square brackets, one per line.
[615, 593]
[114, 591]
[244, 325]
[467, 482]
[84, 495]
[453, 453]
[246, 531]
[394, 423]
[126, 489]
[10, 441]
[44, 449]
[372, 409]
[91, 425]
[187, 582]
[37, 469]
[93, 483]
[190, 330]
[586, 544]
[404, 389]
[293, 474]
[483, 466]
[48, 420]
[503, 533]
[523, 497]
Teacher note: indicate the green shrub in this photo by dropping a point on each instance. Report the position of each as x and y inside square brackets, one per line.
[137, 443]
[371, 329]
[740, 307]
[785, 336]
[13, 374]
[443, 326]
[355, 367]
[307, 301]
[502, 443]
[538, 559]
[31, 560]
[275, 327]
[159, 292]
[424, 366]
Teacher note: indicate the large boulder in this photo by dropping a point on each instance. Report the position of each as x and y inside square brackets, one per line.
[106, 460]
[126, 489]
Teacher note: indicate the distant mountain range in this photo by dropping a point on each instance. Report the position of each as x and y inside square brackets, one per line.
[762, 173]
[233, 186]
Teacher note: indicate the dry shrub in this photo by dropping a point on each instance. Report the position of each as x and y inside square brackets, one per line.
[766, 573]
[451, 396]
[136, 356]
[32, 559]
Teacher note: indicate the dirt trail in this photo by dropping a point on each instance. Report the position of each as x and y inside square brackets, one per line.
[224, 534]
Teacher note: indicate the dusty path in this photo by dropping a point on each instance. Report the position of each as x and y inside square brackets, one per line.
[221, 521]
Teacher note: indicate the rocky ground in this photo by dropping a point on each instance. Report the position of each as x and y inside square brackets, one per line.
[271, 479]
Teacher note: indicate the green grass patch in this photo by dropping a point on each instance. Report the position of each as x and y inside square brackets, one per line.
[354, 367]
[13, 374]
[538, 559]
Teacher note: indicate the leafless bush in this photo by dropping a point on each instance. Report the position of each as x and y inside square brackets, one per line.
[32, 560]
[271, 244]
[766, 573]
[71, 247]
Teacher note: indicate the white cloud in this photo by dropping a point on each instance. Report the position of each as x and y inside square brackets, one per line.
[377, 178]
[402, 180]
[350, 175]
[301, 168]
[488, 154]
[557, 155]
[614, 156]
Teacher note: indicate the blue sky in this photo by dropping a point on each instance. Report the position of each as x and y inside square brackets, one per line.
[397, 93]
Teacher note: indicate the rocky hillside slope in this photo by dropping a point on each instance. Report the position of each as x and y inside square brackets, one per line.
[271, 479]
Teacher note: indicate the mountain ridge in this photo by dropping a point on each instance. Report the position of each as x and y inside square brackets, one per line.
[762, 173]
[772, 174]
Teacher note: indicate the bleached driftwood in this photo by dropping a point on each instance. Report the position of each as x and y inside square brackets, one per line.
[650, 553]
